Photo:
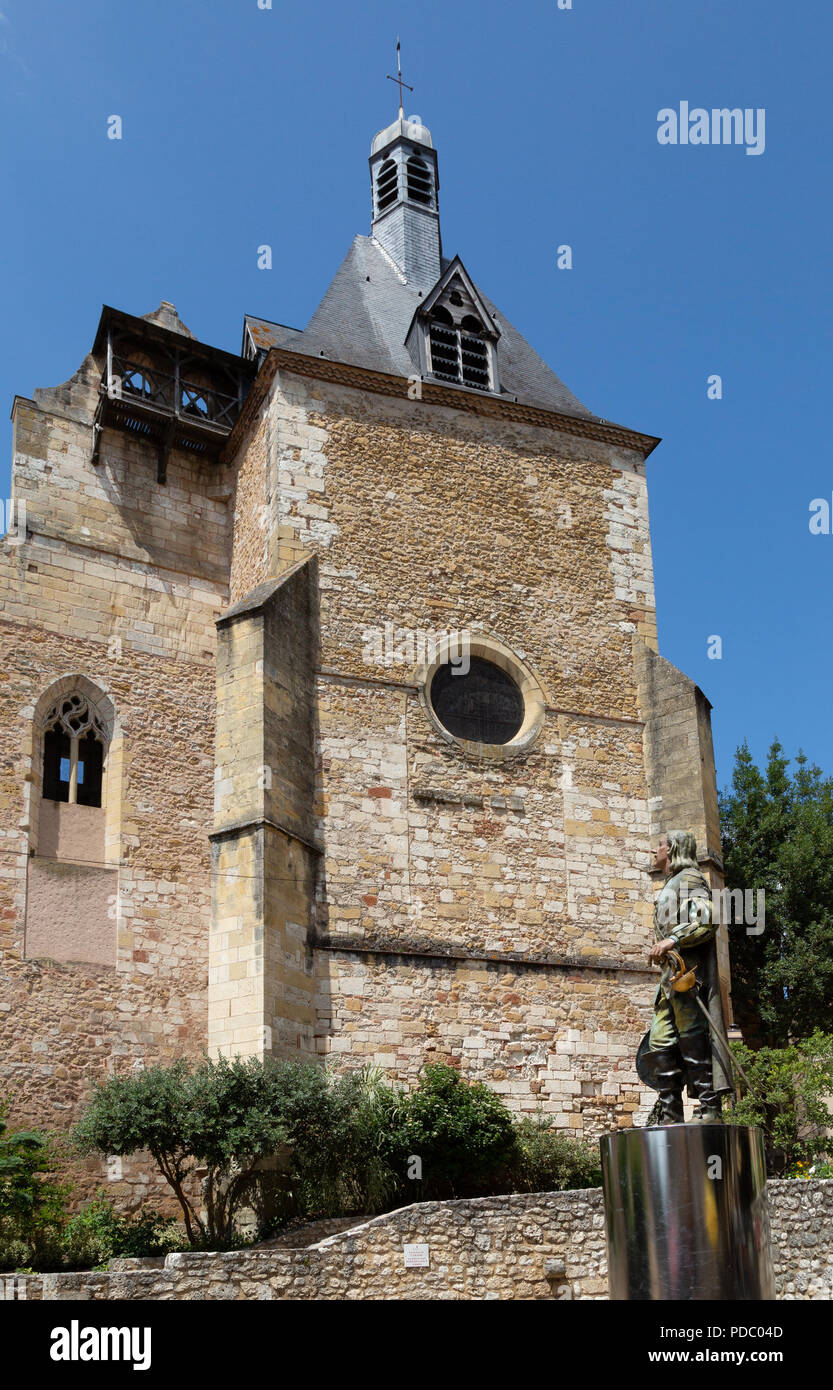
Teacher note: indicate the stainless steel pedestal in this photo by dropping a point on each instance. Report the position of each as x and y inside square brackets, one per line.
[686, 1213]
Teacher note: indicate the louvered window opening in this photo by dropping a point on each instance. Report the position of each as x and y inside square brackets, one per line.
[459, 357]
[387, 185]
[420, 185]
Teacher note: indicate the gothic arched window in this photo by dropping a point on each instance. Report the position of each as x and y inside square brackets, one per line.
[387, 185]
[73, 752]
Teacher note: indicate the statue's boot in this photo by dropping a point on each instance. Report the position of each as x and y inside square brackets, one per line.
[669, 1084]
[697, 1056]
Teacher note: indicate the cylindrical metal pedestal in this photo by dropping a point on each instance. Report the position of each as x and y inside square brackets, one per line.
[686, 1213]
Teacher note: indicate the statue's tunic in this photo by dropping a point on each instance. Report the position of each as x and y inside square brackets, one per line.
[683, 912]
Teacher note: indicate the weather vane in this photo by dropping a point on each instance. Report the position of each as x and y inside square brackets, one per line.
[398, 77]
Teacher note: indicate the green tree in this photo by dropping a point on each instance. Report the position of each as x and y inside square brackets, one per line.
[778, 837]
[282, 1137]
[222, 1115]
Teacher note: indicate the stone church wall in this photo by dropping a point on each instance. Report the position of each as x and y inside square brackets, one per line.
[435, 520]
[436, 868]
[379, 895]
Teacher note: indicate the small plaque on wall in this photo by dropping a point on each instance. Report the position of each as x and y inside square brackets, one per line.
[416, 1256]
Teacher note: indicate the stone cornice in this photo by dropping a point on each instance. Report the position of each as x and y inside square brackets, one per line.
[327, 673]
[382, 383]
[250, 827]
[457, 956]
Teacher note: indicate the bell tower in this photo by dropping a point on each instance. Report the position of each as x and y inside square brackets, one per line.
[405, 186]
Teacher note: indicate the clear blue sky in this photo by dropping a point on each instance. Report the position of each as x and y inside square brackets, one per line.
[244, 126]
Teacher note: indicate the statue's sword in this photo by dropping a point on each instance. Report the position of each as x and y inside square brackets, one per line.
[726, 1055]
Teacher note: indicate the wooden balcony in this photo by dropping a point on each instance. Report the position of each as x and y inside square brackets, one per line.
[167, 389]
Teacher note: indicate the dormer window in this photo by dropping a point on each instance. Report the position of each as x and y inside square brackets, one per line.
[459, 346]
[454, 335]
[459, 356]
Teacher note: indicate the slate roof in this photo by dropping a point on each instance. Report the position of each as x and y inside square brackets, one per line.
[364, 318]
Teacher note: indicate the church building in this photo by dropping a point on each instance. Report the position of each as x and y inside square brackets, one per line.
[333, 720]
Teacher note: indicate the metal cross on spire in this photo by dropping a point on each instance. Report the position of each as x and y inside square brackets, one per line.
[398, 77]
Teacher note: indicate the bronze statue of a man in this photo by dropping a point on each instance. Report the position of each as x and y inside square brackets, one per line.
[683, 1046]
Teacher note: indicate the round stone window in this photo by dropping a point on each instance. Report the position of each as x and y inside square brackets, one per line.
[481, 705]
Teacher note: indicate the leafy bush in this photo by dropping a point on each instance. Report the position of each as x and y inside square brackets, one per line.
[461, 1133]
[802, 1169]
[291, 1141]
[32, 1207]
[281, 1136]
[338, 1167]
[98, 1234]
[547, 1160]
[286, 1139]
[786, 1097]
[330, 1162]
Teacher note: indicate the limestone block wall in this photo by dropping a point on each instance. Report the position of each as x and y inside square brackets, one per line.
[544, 1038]
[430, 518]
[279, 468]
[148, 1001]
[251, 513]
[116, 507]
[260, 996]
[264, 860]
[541, 1246]
[679, 752]
[801, 1217]
[545, 855]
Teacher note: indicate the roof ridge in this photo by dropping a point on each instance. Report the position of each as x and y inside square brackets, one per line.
[403, 279]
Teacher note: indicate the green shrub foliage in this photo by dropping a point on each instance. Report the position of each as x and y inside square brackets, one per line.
[548, 1160]
[291, 1141]
[786, 1096]
[36, 1229]
[32, 1206]
[99, 1233]
[448, 1137]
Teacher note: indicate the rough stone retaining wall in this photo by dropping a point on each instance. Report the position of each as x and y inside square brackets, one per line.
[542, 1246]
[801, 1214]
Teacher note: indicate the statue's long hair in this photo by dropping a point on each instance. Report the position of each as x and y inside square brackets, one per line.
[682, 850]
